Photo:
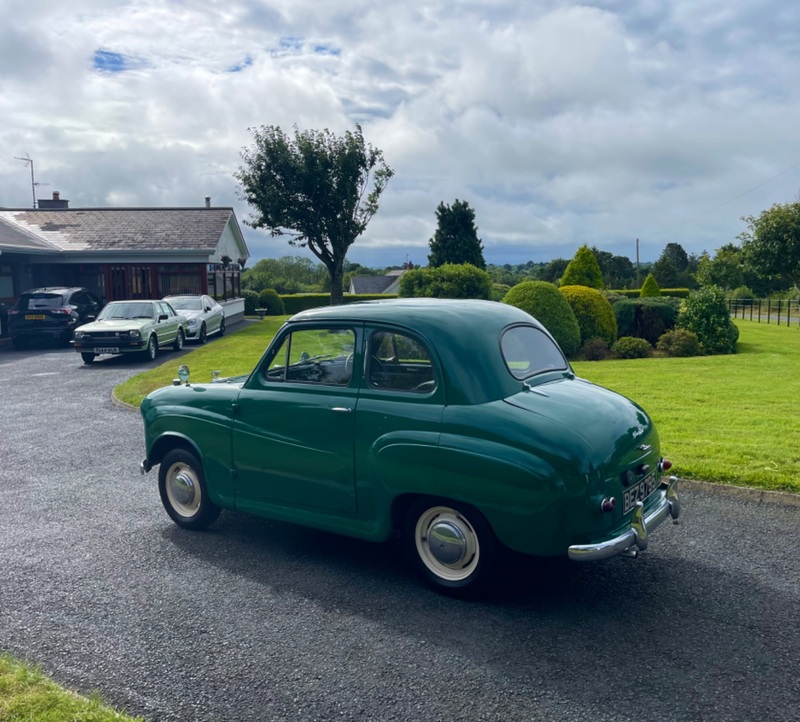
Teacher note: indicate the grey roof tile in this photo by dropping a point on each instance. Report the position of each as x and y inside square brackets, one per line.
[117, 229]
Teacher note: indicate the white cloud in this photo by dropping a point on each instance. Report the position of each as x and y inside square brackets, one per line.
[560, 123]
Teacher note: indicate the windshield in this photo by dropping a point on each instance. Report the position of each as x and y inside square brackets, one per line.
[528, 351]
[185, 303]
[126, 309]
[29, 302]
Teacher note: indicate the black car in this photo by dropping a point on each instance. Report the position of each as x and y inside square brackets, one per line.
[50, 313]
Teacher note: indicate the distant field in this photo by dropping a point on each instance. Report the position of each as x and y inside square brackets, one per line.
[730, 419]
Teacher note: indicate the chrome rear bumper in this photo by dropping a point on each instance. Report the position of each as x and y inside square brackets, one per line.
[636, 536]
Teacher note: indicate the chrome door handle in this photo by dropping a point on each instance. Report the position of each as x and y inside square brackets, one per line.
[342, 410]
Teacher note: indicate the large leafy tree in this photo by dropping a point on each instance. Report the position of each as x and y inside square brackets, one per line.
[671, 270]
[290, 274]
[318, 188]
[618, 271]
[724, 270]
[456, 238]
[771, 243]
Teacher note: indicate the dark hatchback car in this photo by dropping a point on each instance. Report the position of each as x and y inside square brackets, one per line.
[50, 313]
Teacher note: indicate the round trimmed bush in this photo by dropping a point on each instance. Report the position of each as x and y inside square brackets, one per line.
[593, 313]
[595, 349]
[250, 302]
[631, 347]
[680, 342]
[271, 300]
[706, 313]
[543, 301]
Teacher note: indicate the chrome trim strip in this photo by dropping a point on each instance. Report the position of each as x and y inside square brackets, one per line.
[641, 526]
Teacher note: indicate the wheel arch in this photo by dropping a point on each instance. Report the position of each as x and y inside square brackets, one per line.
[167, 442]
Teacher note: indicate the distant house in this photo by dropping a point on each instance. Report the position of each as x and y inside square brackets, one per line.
[374, 285]
[121, 253]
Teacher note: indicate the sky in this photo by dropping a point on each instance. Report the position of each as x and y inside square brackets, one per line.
[561, 124]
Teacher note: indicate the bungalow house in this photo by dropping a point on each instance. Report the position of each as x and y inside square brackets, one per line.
[373, 285]
[121, 253]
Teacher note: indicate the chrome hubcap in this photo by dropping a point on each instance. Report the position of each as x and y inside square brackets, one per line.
[183, 490]
[447, 544]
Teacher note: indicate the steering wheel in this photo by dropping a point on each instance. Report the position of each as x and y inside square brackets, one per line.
[425, 386]
[348, 365]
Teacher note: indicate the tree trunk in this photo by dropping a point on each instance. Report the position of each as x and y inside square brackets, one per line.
[337, 276]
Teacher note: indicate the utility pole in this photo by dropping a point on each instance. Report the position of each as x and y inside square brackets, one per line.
[29, 161]
[638, 283]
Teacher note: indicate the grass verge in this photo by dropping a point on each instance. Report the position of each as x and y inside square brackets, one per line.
[234, 355]
[26, 695]
[727, 419]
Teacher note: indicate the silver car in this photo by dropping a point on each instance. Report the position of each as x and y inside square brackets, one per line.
[204, 316]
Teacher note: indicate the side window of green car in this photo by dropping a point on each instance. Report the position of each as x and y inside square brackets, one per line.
[314, 356]
[398, 362]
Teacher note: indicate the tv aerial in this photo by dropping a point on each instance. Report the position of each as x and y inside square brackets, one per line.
[27, 160]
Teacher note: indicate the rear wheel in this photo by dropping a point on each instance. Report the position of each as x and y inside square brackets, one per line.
[451, 545]
[20, 342]
[88, 358]
[151, 351]
[182, 486]
[178, 345]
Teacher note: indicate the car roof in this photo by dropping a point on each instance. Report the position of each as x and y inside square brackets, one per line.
[465, 334]
[54, 289]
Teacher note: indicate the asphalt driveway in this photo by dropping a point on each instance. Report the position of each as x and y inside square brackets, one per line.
[255, 620]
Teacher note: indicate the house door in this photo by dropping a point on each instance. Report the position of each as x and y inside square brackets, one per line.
[119, 284]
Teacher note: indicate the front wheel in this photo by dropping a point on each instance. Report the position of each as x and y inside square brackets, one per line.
[182, 486]
[451, 545]
[151, 351]
[88, 358]
[203, 335]
[222, 326]
[178, 345]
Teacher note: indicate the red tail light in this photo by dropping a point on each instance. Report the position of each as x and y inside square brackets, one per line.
[67, 311]
[666, 464]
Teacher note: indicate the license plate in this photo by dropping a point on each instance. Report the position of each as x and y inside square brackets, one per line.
[639, 492]
[34, 317]
[106, 349]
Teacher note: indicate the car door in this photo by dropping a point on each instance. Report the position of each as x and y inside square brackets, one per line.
[294, 420]
[401, 402]
[86, 306]
[212, 314]
[166, 329]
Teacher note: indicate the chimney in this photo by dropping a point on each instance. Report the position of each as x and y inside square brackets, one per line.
[208, 201]
[54, 204]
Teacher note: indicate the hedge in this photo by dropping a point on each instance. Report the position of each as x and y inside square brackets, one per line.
[296, 302]
[635, 292]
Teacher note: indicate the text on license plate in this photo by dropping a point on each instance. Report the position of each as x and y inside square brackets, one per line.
[34, 317]
[106, 349]
[639, 492]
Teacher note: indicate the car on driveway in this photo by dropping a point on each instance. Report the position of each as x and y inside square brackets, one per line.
[122, 327]
[458, 424]
[51, 313]
[204, 316]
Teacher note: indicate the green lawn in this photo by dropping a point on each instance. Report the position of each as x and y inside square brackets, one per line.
[26, 695]
[729, 419]
[725, 419]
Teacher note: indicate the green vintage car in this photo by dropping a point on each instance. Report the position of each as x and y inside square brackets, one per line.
[140, 327]
[458, 423]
